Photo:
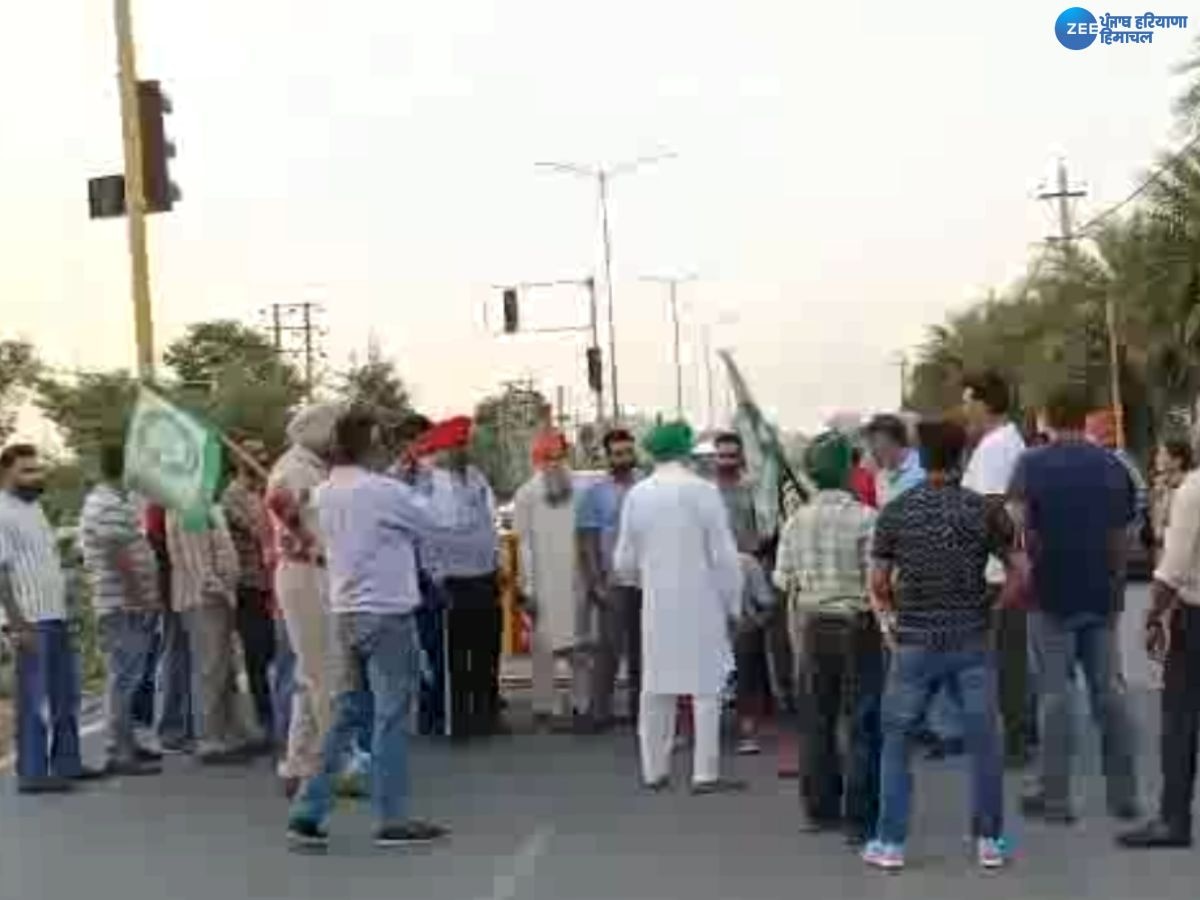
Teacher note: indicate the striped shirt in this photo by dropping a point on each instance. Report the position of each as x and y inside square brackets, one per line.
[30, 567]
[822, 559]
[120, 562]
[204, 566]
[247, 516]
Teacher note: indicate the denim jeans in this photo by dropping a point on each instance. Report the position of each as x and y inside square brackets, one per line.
[970, 677]
[383, 648]
[126, 639]
[48, 679]
[944, 717]
[1060, 645]
[283, 683]
[175, 727]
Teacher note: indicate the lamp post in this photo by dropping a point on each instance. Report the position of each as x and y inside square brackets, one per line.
[603, 176]
[672, 283]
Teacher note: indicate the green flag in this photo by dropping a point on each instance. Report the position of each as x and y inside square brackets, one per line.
[172, 458]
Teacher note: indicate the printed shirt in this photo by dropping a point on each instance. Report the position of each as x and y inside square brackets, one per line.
[1077, 498]
[938, 540]
[822, 558]
[30, 565]
[1179, 566]
[116, 553]
[246, 513]
[990, 471]
[599, 509]
[204, 567]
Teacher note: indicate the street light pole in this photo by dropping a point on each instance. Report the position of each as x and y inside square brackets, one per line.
[135, 194]
[672, 299]
[603, 178]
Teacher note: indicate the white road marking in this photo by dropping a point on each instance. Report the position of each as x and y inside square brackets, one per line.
[505, 885]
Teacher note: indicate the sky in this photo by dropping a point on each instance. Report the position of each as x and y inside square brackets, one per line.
[846, 175]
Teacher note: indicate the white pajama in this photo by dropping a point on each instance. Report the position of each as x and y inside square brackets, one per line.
[656, 734]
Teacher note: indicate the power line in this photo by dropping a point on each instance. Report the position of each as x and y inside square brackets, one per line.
[1141, 188]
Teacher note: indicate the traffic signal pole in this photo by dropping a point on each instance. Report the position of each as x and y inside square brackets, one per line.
[135, 194]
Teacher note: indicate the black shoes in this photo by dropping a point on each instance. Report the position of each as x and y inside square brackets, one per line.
[409, 834]
[48, 784]
[719, 786]
[1034, 806]
[1156, 835]
[308, 835]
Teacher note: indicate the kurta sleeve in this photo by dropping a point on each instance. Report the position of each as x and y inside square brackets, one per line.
[723, 561]
[523, 526]
[626, 561]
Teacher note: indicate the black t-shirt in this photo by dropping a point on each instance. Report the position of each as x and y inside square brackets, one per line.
[938, 540]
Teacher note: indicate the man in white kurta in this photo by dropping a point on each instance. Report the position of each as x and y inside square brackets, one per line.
[676, 541]
[544, 520]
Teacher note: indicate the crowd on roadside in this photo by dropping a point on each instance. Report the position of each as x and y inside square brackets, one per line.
[944, 585]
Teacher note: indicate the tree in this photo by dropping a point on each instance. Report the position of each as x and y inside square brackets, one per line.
[233, 377]
[18, 368]
[90, 409]
[505, 425]
[376, 385]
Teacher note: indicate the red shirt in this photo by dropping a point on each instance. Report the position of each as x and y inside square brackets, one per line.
[862, 485]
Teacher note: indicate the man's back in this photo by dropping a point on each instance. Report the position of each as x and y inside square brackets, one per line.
[1077, 498]
[938, 538]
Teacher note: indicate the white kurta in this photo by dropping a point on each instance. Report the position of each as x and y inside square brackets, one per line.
[546, 537]
[675, 538]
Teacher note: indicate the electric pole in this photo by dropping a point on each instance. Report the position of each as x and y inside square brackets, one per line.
[672, 284]
[296, 335]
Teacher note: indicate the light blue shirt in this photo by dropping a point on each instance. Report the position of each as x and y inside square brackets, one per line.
[599, 510]
[370, 525]
[904, 478]
[474, 550]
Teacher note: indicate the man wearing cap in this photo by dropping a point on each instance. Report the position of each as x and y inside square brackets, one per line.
[544, 521]
[465, 563]
[822, 567]
[675, 539]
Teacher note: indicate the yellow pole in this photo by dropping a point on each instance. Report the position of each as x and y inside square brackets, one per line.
[135, 195]
[1114, 367]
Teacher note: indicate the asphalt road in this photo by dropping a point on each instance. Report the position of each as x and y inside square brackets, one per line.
[554, 818]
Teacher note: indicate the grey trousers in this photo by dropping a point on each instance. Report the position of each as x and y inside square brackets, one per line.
[1059, 645]
[220, 723]
[619, 636]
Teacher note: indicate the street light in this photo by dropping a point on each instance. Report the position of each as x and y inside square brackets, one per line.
[672, 283]
[603, 175]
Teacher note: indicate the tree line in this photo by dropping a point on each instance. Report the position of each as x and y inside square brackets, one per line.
[1050, 327]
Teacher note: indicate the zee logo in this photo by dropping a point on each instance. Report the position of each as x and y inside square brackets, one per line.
[1076, 28]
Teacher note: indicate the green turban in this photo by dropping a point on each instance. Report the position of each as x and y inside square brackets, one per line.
[669, 441]
[828, 460]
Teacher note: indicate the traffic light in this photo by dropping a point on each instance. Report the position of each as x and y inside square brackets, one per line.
[157, 151]
[512, 314]
[595, 369]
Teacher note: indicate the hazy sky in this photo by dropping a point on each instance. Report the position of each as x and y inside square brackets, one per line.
[848, 172]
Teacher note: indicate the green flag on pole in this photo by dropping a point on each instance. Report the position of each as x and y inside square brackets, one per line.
[172, 458]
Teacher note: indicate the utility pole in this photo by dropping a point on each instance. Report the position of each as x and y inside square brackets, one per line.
[1062, 197]
[604, 176]
[672, 284]
[135, 194]
[708, 375]
[298, 341]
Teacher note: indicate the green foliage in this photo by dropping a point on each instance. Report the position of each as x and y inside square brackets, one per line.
[90, 409]
[18, 368]
[505, 425]
[377, 385]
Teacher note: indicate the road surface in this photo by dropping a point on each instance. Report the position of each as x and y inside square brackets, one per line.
[554, 818]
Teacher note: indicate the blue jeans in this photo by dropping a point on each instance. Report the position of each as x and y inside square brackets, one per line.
[384, 649]
[175, 727]
[970, 677]
[48, 678]
[126, 639]
[945, 718]
[283, 684]
[1087, 642]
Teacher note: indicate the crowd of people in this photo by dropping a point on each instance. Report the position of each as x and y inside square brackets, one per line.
[947, 582]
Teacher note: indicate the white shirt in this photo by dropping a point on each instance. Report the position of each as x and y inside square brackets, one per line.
[990, 471]
[1179, 565]
[30, 566]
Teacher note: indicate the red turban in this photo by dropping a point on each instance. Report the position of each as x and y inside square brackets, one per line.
[547, 447]
[451, 434]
